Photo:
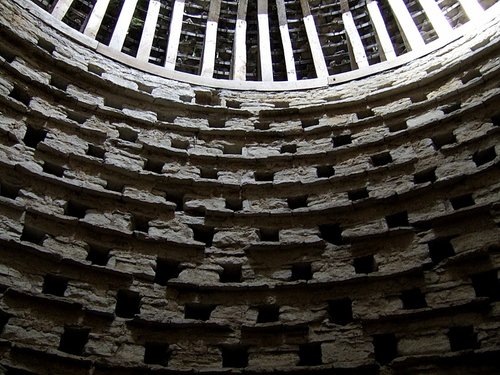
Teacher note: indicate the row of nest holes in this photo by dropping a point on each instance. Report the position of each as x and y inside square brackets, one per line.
[339, 140]
[480, 157]
[22, 95]
[34, 135]
[165, 270]
[485, 284]
[141, 223]
[61, 83]
[324, 171]
[74, 339]
[132, 136]
[331, 233]
[439, 249]
[233, 149]
[128, 303]
[19, 93]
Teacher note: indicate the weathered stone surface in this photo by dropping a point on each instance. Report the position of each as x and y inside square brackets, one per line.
[349, 226]
[85, 97]
[347, 351]
[115, 219]
[273, 359]
[197, 276]
[235, 238]
[419, 345]
[173, 230]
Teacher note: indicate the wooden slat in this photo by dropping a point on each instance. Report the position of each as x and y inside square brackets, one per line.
[436, 18]
[386, 49]
[95, 18]
[357, 50]
[314, 43]
[174, 34]
[148, 32]
[239, 61]
[471, 8]
[266, 63]
[123, 24]
[61, 8]
[286, 41]
[209, 49]
[411, 35]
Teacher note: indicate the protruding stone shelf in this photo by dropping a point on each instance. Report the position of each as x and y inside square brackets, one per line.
[153, 225]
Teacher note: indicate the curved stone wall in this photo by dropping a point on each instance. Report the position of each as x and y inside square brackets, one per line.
[152, 226]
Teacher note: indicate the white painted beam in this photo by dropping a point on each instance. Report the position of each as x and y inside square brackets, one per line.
[314, 43]
[411, 35]
[359, 59]
[471, 8]
[266, 63]
[148, 32]
[291, 73]
[386, 49]
[95, 18]
[209, 48]
[61, 9]
[239, 61]
[174, 35]
[436, 17]
[122, 24]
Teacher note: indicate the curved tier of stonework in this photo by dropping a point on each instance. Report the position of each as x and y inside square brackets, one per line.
[152, 226]
[263, 44]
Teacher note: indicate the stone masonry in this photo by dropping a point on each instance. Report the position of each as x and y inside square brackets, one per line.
[153, 226]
